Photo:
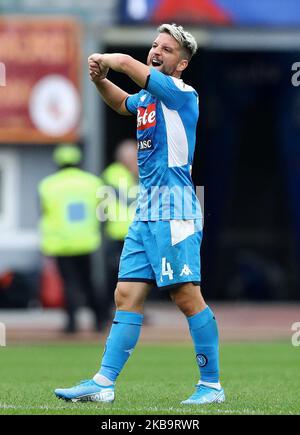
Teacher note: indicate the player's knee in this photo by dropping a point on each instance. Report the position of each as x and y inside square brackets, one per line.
[131, 296]
[187, 307]
[123, 298]
[188, 299]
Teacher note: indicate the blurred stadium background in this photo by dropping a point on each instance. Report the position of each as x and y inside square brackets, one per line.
[248, 151]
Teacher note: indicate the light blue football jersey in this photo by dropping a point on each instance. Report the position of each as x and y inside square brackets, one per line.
[167, 114]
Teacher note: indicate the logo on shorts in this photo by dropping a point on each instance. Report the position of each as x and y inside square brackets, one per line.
[201, 360]
[146, 117]
[186, 271]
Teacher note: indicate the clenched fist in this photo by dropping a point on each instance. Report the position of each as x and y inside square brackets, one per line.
[97, 70]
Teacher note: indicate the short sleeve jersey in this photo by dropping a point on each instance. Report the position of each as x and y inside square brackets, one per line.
[167, 114]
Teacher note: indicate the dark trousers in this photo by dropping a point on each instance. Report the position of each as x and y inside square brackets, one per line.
[76, 273]
[112, 260]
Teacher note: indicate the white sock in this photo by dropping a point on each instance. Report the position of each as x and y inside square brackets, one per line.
[215, 385]
[102, 380]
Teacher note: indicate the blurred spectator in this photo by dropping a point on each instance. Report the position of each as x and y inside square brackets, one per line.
[122, 176]
[70, 230]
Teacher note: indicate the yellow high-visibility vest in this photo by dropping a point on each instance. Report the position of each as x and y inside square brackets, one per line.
[69, 225]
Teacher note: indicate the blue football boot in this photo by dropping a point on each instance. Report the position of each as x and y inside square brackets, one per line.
[87, 391]
[205, 395]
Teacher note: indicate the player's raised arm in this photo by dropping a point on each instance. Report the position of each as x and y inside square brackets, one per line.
[125, 64]
[114, 96]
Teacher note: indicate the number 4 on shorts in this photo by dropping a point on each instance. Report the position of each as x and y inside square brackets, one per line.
[166, 268]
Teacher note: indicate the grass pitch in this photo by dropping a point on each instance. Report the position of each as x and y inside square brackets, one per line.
[258, 378]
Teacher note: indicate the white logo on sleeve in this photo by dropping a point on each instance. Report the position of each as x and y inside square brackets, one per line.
[186, 271]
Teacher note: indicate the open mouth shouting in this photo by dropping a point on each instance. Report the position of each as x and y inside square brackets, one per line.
[155, 62]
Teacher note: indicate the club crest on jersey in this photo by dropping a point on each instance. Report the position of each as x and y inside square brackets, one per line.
[146, 116]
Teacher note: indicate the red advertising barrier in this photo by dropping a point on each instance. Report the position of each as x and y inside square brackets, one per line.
[40, 97]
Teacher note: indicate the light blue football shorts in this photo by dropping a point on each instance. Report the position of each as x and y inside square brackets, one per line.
[165, 253]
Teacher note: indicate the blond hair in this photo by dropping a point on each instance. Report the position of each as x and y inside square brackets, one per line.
[184, 38]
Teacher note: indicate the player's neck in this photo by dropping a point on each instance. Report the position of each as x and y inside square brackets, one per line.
[177, 76]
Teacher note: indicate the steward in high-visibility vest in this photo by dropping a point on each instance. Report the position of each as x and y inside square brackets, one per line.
[70, 232]
[69, 225]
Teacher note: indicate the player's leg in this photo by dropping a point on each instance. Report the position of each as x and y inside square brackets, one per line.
[123, 336]
[204, 333]
[125, 330]
[134, 277]
[135, 280]
[177, 269]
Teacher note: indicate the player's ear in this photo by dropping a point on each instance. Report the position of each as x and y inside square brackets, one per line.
[182, 65]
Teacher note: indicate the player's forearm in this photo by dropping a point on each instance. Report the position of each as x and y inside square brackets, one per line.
[115, 61]
[113, 96]
[126, 64]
